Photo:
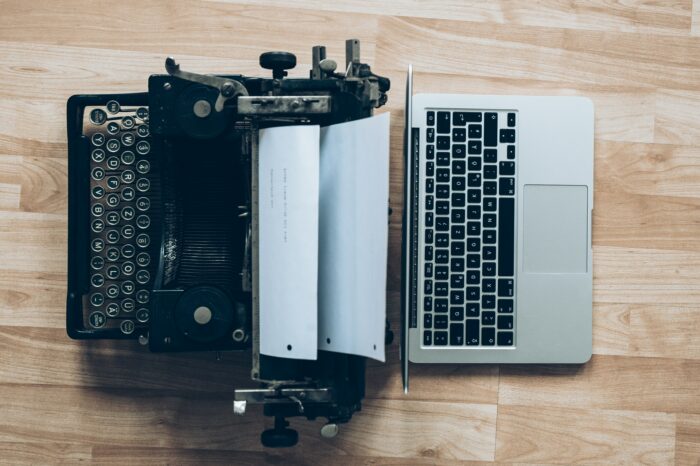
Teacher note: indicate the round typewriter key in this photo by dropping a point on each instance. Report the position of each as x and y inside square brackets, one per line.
[97, 209]
[128, 213]
[97, 155]
[143, 184]
[97, 173]
[112, 218]
[142, 315]
[97, 262]
[128, 305]
[97, 139]
[142, 131]
[128, 139]
[127, 327]
[128, 157]
[113, 182]
[143, 240]
[112, 272]
[142, 296]
[143, 166]
[128, 193]
[128, 176]
[113, 199]
[128, 251]
[128, 287]
[143, 147]
[97, 319]
[112, 236]
[113, 163]
[112, 309]
[128, 231]
[112, 291]
[142, 276]
[112, 254]
[98, 192]
[127, 122]
[143, 204]
[113, 145]
[143, 221]
[97, 245]
[128, 268]
[142, 113]
[143, 259]
[97, 226]
[96, 299]
[112, 128]
[98, 116]
[113, 106]
[97, 280]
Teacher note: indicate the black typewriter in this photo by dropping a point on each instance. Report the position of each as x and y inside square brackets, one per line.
[162, 215]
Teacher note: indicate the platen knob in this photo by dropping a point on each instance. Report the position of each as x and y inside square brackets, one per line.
[278, 62]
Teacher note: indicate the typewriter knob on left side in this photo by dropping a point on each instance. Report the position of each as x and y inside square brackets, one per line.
[278, 62]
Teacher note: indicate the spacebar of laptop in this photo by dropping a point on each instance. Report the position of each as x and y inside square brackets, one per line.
[506, 235]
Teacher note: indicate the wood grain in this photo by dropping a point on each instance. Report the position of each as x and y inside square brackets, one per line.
[636, 402]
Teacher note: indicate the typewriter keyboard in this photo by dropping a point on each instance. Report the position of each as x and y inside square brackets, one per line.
[121, 233]
[468, 236]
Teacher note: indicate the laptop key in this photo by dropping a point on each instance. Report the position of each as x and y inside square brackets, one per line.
[488, 318]
[506, 168]
[430, 118]
[443, 142]
[472, 333]
[443, 122]
[505, 338]
[441, 305]
[511, 119]
[430, 152]
[505, 287]
[441, 272]
[427, 338]
[473, 261]
[488, 336]
[430, 135]
[506, 186]
[459, 135]
[505, 305]
[475, 131]
[462, 118]
[456, 334]
[507, 135]
[506, 236]
[490, 156]
[459, 150]
[505, 322]
[457, 280]
[490, 129]
[440, 321]
[440, 338]
[488, 301]
[488, 285]
[472, 310]
[427, 320]
[457, 313]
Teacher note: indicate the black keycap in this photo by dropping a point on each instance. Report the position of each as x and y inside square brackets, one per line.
[443, 159]
[472, 332]
[490, 188]
[506, 168]
[474, 163]
[430, 118]
[456, 334]
[430, 135]
[442, 223]
[474, 196]
[511, 152]
[474, 212]
[442, 240]
[505, 287]
[472, 309]
[441, 305]
[473, 277]
[457, 313]
[474, 180]
[442, 207]
[473, 261]
[459, 135]
[442, 175]
[429, 236]
[474, 131]
[489, 220]
[506, 235]
[458, 200]
[442, 191]
[428, 270]
[473, 293]
[458, 215]
[506, 186]
[488, 269]
[443, 143]
[430, 169]
[490, 156]
[488, 301]
[507, 135]
[440, 321]
[428, 287]
[473, 244]
[442, 256]
[457, 280]
[489, 237]
[505, 322]
[429, 201]
[458, 232]
[457, 248]
[428, 253]
[457, 264]
[505, 305]
[511, 119]
[459, 167]
[429, 219]
[459, 151]
[489, 253]
[458, 183]
[488, 285]
[505, 338]
[456, 297]
[473, 228]
[490, 172]
[488, 318]
[443, 122]
[474, 147]
[490, 129]
[440, 338]
[442, 272]
[441, 289]
[427, 338]
[462, 118]
[429, 185]
[489, 204]
[488, 336]
[427, 320]
[430, 152]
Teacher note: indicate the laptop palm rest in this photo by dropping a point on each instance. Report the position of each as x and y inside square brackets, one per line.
[555, 222]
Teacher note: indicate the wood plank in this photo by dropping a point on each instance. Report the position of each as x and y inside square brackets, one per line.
[33, 299]
[677, 115]
[583, 436]
[33, 242]
[20, 453]
[695, 27]
[9, 196]
[611, 328]
[606, 382]
[45, 184]
[665, 331]
[687, 440]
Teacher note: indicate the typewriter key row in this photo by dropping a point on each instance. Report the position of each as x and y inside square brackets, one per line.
[121, 266]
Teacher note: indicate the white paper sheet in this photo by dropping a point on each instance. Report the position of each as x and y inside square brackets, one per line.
[288, 187]
[353, 235]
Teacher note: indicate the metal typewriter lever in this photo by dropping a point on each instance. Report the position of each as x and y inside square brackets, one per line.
[228, 88]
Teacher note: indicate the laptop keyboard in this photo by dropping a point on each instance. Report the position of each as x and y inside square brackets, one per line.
[468, 219]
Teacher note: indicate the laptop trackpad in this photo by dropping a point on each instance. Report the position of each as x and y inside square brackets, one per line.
[555, 229]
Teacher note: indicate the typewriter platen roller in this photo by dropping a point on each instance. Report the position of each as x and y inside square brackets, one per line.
[162, 220]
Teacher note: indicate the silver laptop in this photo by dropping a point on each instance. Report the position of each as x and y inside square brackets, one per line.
[497, 229]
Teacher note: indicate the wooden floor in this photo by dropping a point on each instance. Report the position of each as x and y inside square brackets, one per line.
[637, 401]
